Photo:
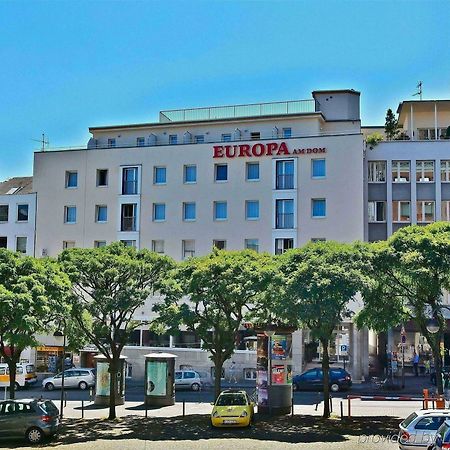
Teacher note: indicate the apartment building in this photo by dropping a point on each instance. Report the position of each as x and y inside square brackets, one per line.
[268, 177]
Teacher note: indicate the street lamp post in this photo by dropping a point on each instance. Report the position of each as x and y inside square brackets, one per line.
[63, 335]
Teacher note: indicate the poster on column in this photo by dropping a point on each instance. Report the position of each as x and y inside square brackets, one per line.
[262, 352]
[102, 379]
[281, 346]
[278, 374]
[262, 388]
[156, 378]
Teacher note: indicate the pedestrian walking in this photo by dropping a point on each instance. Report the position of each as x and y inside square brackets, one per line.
[232, 373]
[427, 365]
[416, 364]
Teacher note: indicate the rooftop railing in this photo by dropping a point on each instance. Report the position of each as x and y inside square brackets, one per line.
[235, 111]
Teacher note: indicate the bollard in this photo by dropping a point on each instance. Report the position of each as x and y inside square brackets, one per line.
[184, 408]
[349, 408]
[331, 404]
[425, 396]
[146, 410]
[82, 409]
[65, 399]
[342, 410]
[91, 392]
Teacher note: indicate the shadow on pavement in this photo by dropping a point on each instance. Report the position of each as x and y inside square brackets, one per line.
[297, 429]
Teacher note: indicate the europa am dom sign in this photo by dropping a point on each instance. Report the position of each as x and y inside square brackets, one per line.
[259, 149]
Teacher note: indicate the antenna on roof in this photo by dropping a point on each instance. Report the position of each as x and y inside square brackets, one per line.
[419, 90]
[43, 142]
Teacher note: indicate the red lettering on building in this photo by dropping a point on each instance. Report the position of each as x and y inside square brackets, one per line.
[230, 151]
[244, 150]
[271, 147]
[282, 149]
[218, 151]
[258, 149]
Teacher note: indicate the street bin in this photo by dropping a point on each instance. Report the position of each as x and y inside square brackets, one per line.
[103, 378]
[160, 379]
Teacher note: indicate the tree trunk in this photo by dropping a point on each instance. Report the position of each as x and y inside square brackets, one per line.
[113, 370]
[436, 349]
[326, 378]
[12, 378]
[218, 364]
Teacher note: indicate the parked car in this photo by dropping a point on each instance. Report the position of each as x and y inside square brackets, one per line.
[29, 418]
[188, 379]
[419, 429]
[233, 408]
[73, 378]
[442, 438]
[312, 379]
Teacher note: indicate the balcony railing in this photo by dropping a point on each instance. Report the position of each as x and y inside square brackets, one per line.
[284, 220]
[128, 224]
[235, 111]
[285, 181]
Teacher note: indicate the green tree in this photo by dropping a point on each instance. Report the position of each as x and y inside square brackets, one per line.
[320, 279]
[109, 284]
[32, 291]
[215, 292]
[391, 125]
[410, 272]
[374, 139]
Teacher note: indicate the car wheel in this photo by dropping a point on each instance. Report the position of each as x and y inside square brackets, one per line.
[34, 435]
[195, 387]
[83, 385]
[49, 386]
[334, 387]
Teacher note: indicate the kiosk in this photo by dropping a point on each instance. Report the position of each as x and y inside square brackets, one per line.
[102, 385]
[160, 379]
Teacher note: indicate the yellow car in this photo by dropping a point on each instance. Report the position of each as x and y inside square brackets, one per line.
[232, 409]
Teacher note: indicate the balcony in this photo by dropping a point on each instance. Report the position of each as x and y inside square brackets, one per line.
[284, 220]
[128, 224]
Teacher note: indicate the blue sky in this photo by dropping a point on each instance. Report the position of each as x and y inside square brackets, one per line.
[68, 65]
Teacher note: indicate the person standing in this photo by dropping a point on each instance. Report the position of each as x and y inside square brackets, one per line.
[416, 364]
[232, 373]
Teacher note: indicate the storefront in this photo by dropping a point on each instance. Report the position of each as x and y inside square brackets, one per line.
[48, 358]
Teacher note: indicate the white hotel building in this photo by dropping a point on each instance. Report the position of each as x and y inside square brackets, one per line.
[265, 176]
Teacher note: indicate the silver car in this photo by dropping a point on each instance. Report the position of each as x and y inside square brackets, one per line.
[29, 418]
[419, 429]
[73, 378]
[188, 379]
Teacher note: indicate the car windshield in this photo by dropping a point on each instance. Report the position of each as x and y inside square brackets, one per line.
[408, 420]
[231, 400]
[49, 408]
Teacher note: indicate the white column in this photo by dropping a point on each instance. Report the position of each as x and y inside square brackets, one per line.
[141, 332]
[171, 341]
[413, 138]
[436, 137]
[413, 192]
[389, 197]
[438, 196]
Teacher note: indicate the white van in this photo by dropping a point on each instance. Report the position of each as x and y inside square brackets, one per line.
[25, 375]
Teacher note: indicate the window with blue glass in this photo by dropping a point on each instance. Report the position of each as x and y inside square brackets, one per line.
[173, 138]
[159, 211]
[130, 180]
[221, 172]
[226, 137]
[318, 168]
[190, 174]
[159, 176]
[284, 217]
[252, 171]
[252, 209]
[102, 213]
[285, 174]
[220, 210]
[287, 133]
[189, 211]
[319, 207]
[71, 179]
[70, 214]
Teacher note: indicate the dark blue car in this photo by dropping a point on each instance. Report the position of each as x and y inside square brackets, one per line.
[312, 380]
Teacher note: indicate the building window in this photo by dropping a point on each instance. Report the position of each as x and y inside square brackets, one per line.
[255, 135]
[252, 244]
[3, 242]
[189, 211]
[102, 177]
[377, 172]
[424, 171]
[21, 244]
[158, 246]
[140, 142]
[221, 172]
[318, 207]
[284, 213]
[219, 244]
[22, 213]
[287, 133]
[4, 209]
[128, 243]
[426, 134]
[70, 214]
[111, 143]
[68, 244]
[220, 211]
[71, 179]
[159, 212]
[226, 137]
[377, 212]
[129, 180]
[252, 209]
[159, 175]
[173, 139]
[98, 244]
[101, 213]
[188, 249]
[199, 139]
[425, 211]
[400, 171]
[445, 210]
[252, 171]
[285, 174]
[445, 171]
[128, 217]
[282, 245]
[401, 211]
[190, 174]
[318, 168]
